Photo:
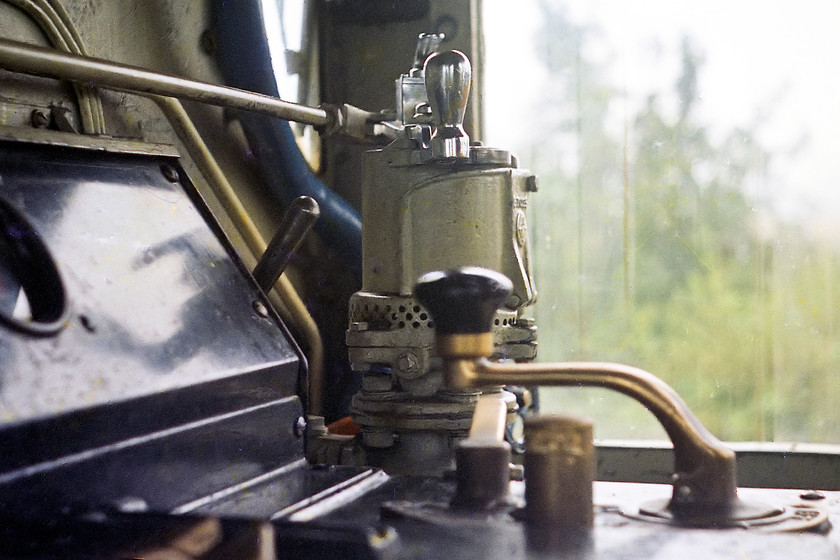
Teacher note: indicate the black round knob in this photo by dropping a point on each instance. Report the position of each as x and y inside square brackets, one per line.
[463, 301]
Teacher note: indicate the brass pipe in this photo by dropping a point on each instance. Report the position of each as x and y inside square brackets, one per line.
[28, 59]
[704, 477]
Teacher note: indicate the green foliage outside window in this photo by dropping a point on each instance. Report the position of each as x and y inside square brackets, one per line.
[655, 246]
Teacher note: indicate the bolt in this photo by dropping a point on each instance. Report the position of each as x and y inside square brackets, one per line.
[39, 119]
[62, 121]
[300, 426]
[359, 326]
[812, 495]
[261, 309]
[407, 362]
[531, 183]
[170, 173]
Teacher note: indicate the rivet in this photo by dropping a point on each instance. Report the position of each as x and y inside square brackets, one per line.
[261, 309]
[170, 173]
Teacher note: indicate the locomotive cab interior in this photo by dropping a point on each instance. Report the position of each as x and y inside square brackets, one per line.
[302, 279]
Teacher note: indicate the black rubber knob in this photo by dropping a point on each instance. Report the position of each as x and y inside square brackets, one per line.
[463, 301]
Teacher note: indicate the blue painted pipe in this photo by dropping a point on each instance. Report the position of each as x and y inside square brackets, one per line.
[245, 62]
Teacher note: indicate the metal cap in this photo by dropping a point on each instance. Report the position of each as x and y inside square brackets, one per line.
[559, 469]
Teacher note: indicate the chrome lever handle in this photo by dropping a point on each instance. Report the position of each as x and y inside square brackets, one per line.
[448, 77]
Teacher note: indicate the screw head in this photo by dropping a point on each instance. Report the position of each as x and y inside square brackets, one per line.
[407, 362]
[39, 119]
[170, 173]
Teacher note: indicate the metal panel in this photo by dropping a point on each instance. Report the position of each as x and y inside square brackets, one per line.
[162, 470]
[171, 378]
[417, 511]
[158, 300]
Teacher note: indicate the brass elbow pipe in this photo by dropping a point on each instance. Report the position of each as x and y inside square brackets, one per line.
[704, 468]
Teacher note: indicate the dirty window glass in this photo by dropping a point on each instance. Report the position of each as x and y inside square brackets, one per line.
[688, 218]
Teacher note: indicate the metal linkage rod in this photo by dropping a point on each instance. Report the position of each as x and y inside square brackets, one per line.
[38, 61]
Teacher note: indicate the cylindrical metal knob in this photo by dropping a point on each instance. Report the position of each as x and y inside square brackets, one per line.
[559, 469]
[448, 78]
